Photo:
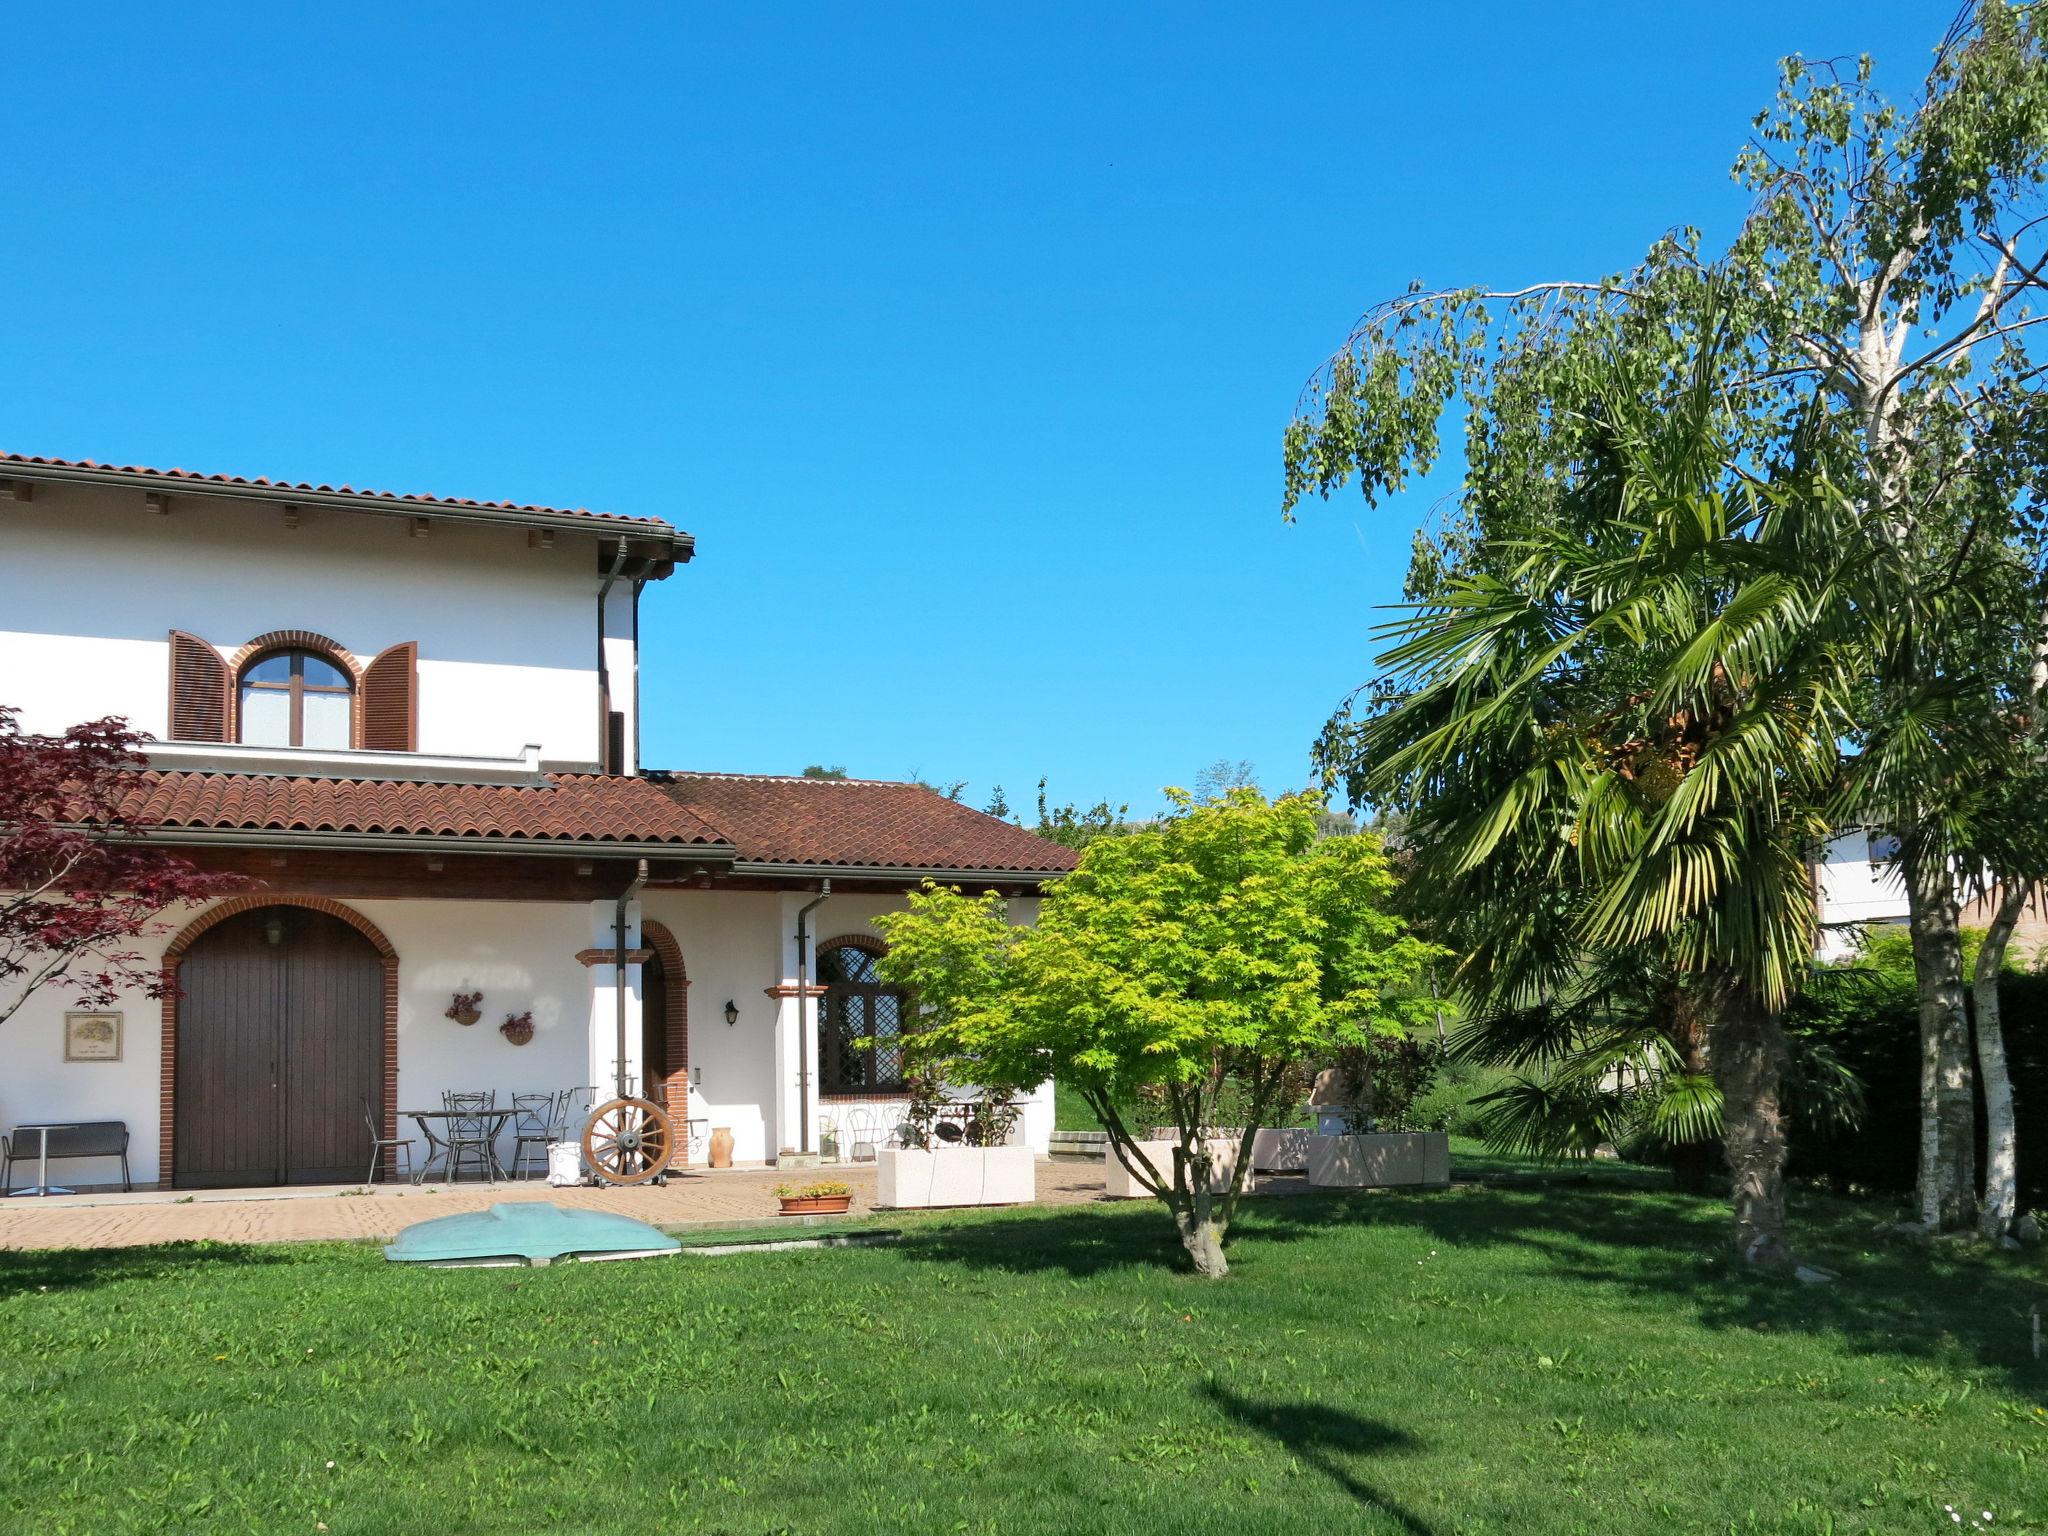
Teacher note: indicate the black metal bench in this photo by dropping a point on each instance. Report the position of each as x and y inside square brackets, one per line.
[87, 1138]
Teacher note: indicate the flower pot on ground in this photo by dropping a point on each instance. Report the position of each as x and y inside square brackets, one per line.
[1391, 1159]
[1119, 1185]
[827, 1198]
[518, 1028]
[911, 1178]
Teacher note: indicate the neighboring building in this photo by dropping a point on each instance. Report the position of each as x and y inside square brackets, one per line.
[415, 723]
[1858, 886]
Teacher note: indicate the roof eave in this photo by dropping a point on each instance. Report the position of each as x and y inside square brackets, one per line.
[428, 842]
[660, 542]
[895, 872]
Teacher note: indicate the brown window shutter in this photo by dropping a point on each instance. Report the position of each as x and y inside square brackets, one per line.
[390, 700]
[199, 690]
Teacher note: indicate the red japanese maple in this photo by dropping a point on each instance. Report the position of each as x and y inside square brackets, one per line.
[77, 886]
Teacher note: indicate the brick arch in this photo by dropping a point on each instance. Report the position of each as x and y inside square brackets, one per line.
[866, 942]
[297, 640]
[174, 953]
[675, 1030]
[235, 906]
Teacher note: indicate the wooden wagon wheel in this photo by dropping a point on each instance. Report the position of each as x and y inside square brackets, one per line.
[628, 1141]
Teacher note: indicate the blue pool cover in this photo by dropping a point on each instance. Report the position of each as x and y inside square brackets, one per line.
[529, 1231]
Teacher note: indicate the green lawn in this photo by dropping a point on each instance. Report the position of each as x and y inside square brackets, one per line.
[1569, 1356]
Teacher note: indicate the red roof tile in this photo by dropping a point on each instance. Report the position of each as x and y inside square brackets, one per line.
[581, 809]
[858, 822]
[200, 480]
[842, 823]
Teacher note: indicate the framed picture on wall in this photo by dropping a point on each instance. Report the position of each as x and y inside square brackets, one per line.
[92, 1037]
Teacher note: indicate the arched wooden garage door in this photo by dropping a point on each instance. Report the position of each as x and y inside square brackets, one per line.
[280, 1039]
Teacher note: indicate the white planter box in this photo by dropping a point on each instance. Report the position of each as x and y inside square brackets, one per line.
[1420, 1159]
[1159, 1155]
[908, 1179]
[1273, 1151]
[1281, 1151]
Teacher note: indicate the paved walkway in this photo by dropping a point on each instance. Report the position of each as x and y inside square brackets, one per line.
[726, 1197]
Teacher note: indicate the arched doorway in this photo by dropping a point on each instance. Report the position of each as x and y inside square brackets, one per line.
[654, 1062]
[280, 1038]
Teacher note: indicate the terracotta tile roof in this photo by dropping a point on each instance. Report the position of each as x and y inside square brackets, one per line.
[857, 822]
[580, 809]
[198, 480]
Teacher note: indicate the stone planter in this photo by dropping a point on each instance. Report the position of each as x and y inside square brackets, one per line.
[907, 1178]
[1119, 1185]
[1397, 1159]
[1280, 1151]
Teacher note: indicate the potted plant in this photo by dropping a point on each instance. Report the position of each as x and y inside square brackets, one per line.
[955, 1152]
[464, 1010]
[827, 1197]
[518, 1027]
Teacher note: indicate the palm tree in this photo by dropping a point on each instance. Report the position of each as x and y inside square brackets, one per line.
[1624, 731]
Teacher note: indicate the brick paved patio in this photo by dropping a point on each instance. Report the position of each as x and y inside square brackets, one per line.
[281, 1216]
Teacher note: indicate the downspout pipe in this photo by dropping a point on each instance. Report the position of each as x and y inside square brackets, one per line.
[619, 969]
[803, 1017]
[604, 670]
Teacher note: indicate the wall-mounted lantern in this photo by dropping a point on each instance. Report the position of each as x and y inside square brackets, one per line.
[732, 1013]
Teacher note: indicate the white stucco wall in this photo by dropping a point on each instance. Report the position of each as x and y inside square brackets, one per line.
[1853, 889]
[521, 955]
[91, 584]
[729, 945]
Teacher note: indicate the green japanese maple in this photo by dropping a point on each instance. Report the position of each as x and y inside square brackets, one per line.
[1203, 961]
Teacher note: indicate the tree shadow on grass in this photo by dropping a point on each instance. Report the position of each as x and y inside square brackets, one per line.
[74, 1269]
[1077, 1241]
[1327, 1439]
[1889, 1298]
[1616, 1232]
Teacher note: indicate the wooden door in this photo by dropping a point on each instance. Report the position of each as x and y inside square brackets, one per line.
[654, 1067]
[280, 1038]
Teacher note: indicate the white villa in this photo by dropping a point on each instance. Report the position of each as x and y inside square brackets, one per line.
[1858, 886]
[414, 723]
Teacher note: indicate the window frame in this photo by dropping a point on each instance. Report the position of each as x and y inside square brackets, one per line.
[296, 687]
[835, 1047]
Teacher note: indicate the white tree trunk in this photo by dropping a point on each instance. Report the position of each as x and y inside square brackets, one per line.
[2001, 1206]
[1948, 1110]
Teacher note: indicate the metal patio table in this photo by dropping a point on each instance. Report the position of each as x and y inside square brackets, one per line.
[43, 1186]
[440, 1144]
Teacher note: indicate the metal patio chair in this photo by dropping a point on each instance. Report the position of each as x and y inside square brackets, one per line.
[861, 1135]
[533, 1125]
[379, 1141]
[472, 1136]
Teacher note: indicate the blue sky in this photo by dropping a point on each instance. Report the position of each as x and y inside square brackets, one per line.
[961, 336]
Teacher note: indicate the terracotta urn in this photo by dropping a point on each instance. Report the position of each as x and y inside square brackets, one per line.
[721, 1146]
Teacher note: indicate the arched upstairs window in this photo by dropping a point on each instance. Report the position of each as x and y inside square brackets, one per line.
[296, 699]
[858, 1006]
